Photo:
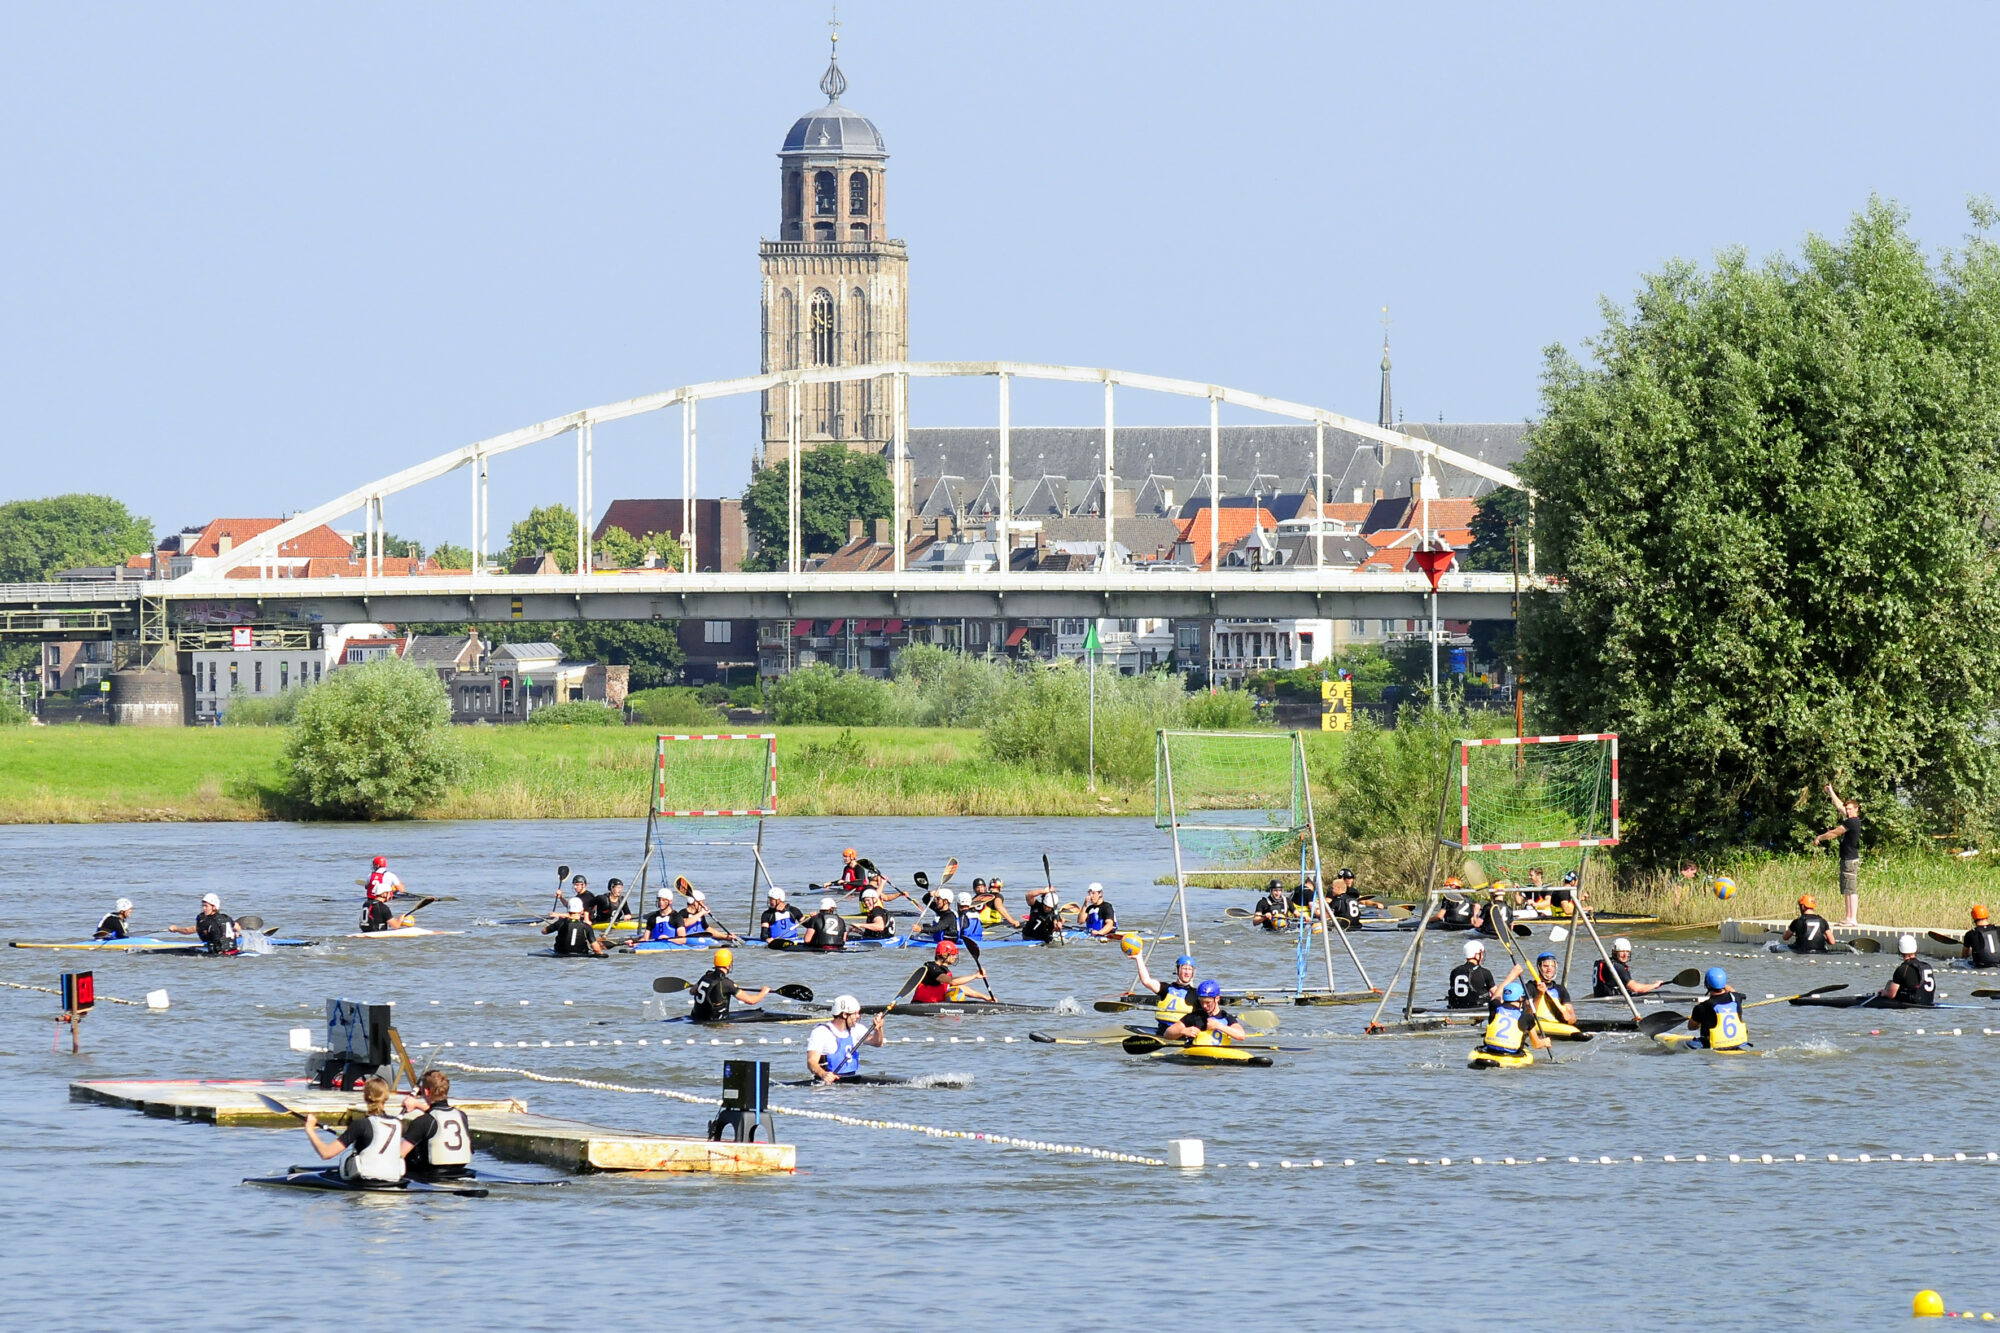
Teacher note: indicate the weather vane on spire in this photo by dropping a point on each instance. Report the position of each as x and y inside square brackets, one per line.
[833, 83]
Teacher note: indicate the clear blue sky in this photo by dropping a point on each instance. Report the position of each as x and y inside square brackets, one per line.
[253, 255]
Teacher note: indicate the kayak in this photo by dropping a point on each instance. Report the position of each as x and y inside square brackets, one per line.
[1557, 1030]
[1685, 1041]
[1871, 1001]
[148, 944]
[850, 1081]
[468, 1177]
[661, 946]
[332, 1180]
[956, 1008]
[1211, 1055]
[735, 1016]
[400, 933]
[1478, 1058]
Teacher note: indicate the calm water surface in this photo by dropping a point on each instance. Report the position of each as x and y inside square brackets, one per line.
[118, 1220]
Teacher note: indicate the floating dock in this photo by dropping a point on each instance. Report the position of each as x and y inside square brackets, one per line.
[504, 1127]
[1751, 930]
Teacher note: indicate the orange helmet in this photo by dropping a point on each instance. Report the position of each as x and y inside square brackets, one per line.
[1806, 902]
[1452, 882]
[1978, 912]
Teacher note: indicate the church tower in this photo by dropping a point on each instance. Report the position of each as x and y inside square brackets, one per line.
[834, 290]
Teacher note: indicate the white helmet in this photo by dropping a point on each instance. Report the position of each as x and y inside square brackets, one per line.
[1473, 948]
[573, 905]
[665, 894]
[845, 1004]
[776, 895]
[1906, 944]
[826, 904]
[964, 898]
[697, 896]
[1621, 945]
[866, 894]
[211, 900]
[1095, 887]
[122, 905]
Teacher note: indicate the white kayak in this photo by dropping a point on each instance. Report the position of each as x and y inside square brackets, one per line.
[400, 933]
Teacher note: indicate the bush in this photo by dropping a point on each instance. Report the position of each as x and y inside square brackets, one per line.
[672, 706]
[821, 696]
[747, 696]
[255, 710]
[577, 713]
[940, 688]
[1223, 710]
[713, 694]
[1042, 720]
[11, 712]
[373, 741]
[821, 758]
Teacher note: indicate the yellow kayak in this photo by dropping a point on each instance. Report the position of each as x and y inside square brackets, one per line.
[1212, 1055]
[1483, 1059]
[1685, 1041]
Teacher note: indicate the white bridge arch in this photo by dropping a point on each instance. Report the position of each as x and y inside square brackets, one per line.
[261, 551]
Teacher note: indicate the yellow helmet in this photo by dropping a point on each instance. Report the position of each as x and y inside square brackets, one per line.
[723, 958]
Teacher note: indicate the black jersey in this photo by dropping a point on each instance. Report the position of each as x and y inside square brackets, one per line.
[1983, 943]
[1915, 982]
[1810, 933]
[711, 994]
[1471, 987]
[112, 927]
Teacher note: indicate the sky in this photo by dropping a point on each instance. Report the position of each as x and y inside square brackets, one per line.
[252, 256]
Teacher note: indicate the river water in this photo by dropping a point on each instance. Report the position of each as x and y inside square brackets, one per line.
[118, 1220]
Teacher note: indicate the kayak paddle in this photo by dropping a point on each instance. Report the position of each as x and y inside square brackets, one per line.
[1802, 995]
[909, 985]
[1687, 976]
[950, 869]
[1666, 1021]
[250, 923]
[972, 947]
[670, 985]
[1987, 994]
[1240, 913]
[274, 1104]
[1943, 938]
[794, 991]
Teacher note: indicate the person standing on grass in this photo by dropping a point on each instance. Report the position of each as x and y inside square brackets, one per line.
[1848, 830]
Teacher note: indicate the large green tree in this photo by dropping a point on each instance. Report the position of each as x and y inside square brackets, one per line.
[1771, 496]
[550, 528]
[835, 484]
[40, 538]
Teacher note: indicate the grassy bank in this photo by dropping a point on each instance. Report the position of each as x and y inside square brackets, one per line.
[1898, 888]
[79, 774]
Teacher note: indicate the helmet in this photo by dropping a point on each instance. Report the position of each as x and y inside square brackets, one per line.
[1273, 886]
[964, 898]
[210, 900]
[826, 904]
[995, 885]
[1621, 945]
[573, 904]
[1345, 873]
[1715, 979]
[1185, 960]
[1545, 956]
[1806, 902]
[845, 1004]
[1095, 887]
[947, 948]
[614, 883]
[697, 895]
[1453, 882]
[866, 894]
[1906, 944]
[125, 905]
[723, 958]
[1498, 890]
[578, 879]
[979, 881]
[1978, 912]
[848, 851]
[381, 861]
[664, 894]
[1513, 990]
[776, 895]
[1569, 877]
[1473, 948]
[1209, 990]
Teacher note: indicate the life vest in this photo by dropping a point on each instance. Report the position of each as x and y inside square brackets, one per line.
[969, 927]
[1175, 1001]
[1469, 987]
[1095, 917]
[1984, 941]
[784, 926]
[1207, 1036]
[1916, 982]
[1810, 934]
[853, 877]
[375, 880]
[1603, 974]
[829, 931]
[382, 1159]
[710, 1000]
[1503, 1030]
[1041, 922]
[989, 915]
[112, 927]
[375, 915]
[845, 1058]
[450, 1143]
[1347, 910]
[1729, 1030]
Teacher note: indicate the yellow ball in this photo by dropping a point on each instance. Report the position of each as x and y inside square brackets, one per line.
[1725, 887]
[1130, 946]
[1927, 1302]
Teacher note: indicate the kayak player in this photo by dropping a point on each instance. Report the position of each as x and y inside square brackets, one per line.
[574, 937]
[1809, 932]
[778, 921]
[1096, 916]
[853, 876]
[1510, 1028]
[1271, 909]
[1915, 981]
[991, 906]
[1718, 1019]
[715, 988]
[1552, 1001]
[112, 927]
[1347, 902]
[1208, 1023]
[377, 915]
[579, 887]
[1304, 895]
[833, 1050]
[874, 923]
[608, 907]
[1493, 916]
[1562, 901]
[1455, 911]
[970, 927]
[880, 883]
[938, 986]
[1982, 942]
[1044, 918]
[1605, 979]
[942, 920]
[825, 929]
[1174, 998]
[1471, 985]
[374, 1141]
[440, 1139]
[382, 882]
[214, 929]
[1536, 891]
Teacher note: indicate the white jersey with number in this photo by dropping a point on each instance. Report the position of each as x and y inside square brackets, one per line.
[450, 1143]
[382, 1159]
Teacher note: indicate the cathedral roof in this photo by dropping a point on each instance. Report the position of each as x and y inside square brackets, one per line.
[833, 131]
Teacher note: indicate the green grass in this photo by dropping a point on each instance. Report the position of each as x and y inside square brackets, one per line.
[81, 774]
[1899, 887]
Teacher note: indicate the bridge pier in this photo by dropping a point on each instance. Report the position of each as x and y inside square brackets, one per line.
[151, 698]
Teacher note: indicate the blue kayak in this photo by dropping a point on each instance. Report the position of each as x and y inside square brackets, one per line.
[149, 944]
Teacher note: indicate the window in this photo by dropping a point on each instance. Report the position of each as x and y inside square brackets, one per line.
[857, 194]
[823, 188]
[794, 185]
[234, 680]
[717, 631]
[302, 672]
[211, 678]
[284, 676]
[857, 231]
[823, 231]
[258, 668]
[315, 673]
[822, 328]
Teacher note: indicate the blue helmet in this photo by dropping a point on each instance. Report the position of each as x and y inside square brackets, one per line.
[1209, 990]
[1512, 991]
[1716, 978]
[1185, 960]
[1545, 956]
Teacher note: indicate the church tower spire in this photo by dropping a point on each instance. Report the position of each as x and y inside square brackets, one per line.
[1388, 420]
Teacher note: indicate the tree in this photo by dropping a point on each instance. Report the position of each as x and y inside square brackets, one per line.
[1500, 514]
[1770, 496]
[392, 545]
[550, 528]
[619, 549]
[41, 538]
[373, 742]
[449, 556]
[651, 648]
[835, 484]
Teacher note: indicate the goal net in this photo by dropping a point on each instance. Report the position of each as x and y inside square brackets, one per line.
[710, 791]
[1534, 803]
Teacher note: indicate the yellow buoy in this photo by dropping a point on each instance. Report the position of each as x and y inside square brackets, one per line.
[1927, 1302]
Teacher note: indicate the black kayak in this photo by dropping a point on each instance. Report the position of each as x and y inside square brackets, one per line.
[745, 1016]
[1872, 1001]
[959, 1007]
[332, 1180]
[850, 1081]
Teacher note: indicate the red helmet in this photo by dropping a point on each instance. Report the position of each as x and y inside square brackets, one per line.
[947, 949]
[381, 861]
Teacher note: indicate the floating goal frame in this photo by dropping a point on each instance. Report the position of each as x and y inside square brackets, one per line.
[1300, 823]
[732, 832]
[1579, 922]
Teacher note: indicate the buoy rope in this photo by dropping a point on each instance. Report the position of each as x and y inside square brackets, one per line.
[51, 990]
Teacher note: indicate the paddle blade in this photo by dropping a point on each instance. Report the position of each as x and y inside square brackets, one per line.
[910, 983]
[922, 880]
[1864, 944]
[867, 865]
[1240, 913]
[1943, 938]
[950, 869]
[803, 994]
[1475, 873]
[669, 985]
[1557, 934]
[1258, 1020]
[562, 873]
[274, 1104]
[1113, 1007]
[1987, 994]
[1687, 976]
[1141, 1045]
[1522, 931]
[418, 906]
[250, 922]
[1655, 1024]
